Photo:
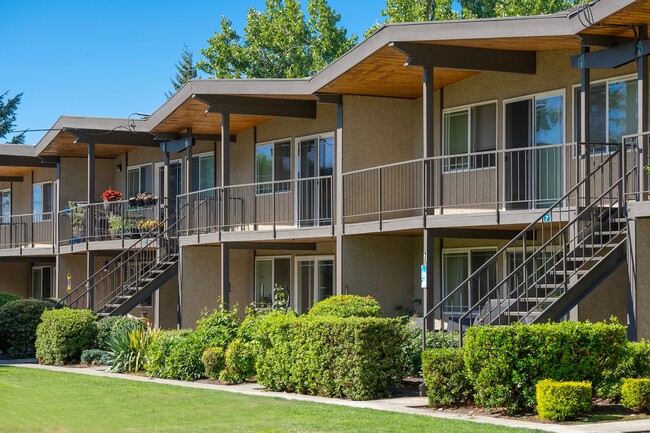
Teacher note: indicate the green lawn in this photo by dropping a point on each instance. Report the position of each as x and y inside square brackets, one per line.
[44, 401]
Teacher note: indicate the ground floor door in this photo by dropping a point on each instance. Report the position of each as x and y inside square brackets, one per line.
[42, 282]
[272, 280]
[314, 281]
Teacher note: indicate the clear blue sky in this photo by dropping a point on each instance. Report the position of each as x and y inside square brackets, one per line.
[113, 58]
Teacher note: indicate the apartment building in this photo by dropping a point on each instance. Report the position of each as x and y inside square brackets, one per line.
[471, 172]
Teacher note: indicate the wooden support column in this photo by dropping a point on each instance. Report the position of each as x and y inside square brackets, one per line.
[338, 222]
[584, 162]
[225, 181]
[428, 116]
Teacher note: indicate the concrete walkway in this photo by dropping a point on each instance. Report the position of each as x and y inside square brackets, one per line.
[408, 405]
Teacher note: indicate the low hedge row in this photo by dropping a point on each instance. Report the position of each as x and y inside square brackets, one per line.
[7, 297]
[636, 394]
[559, 401]
[347, 306]
[358, 358]
[444, 371]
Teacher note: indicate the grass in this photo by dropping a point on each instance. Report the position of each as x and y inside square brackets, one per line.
[45, 401]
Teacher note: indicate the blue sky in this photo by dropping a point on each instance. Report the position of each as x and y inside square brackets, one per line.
[113, 58]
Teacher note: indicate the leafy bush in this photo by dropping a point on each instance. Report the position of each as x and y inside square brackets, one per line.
[159, 349]
[412, 346]
[127, 350]
[7, 297]
[446, 378]
[358, 358]
[214, 361]
[559, 401]
[112, 325]
[240, 362]
[635, 363]
[63, 334]
[505, 362]
[18, 322]
[636, 394]
[347, 306]
[183, 361]
[95, 357]
[219, 328]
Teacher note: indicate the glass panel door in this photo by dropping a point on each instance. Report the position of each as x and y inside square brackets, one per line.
[175, 184]
[315, 160]
[518, 127]
[263, 281]
[549, 130]
[325, 282]
[37, 283]
[315, 281]
[306, 280]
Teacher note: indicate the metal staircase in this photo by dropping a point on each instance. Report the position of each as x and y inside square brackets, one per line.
[131, 277]
[551, 265]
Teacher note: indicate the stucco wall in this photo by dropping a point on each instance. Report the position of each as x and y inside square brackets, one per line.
[74, 179]
[200, 283]
[607, 300]
[15, 277]
[643, 277]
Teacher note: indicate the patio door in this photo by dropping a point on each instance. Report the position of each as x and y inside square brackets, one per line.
[175, 184]
[534, 127]
[42, 282]
[315, 281]
[314, 193]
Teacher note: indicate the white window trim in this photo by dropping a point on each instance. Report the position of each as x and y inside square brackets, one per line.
[199, 156]
[272, 259]
[296, 150]
[468, 109]
[273, 180]
[2, 192]
[43, 212]
[574, 107]
[156, 167]
[297, 298]
[138, 167]
[52, 279]
[468, 251]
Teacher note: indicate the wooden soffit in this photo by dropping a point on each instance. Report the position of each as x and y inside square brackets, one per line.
[64, 145]
[6, 171]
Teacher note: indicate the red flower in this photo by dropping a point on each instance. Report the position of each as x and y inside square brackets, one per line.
[111, 195]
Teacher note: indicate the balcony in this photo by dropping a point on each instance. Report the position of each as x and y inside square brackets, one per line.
[28, 234]
[483, 188]
[296, 208]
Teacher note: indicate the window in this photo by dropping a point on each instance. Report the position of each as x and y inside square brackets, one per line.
[139, 179]
[470, 130]
[42, 201]
[273, 164]
[272, 279]
[5, 211]
[613, 111]
[457, 265]
[203, 172]
[42, 282]
[314, 281]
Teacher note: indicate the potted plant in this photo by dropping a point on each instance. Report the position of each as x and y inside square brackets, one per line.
[110, 195]
[116, 225]
[147, 226]
[77, 220]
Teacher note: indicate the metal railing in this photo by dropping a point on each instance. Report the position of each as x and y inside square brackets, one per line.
[34, 230]
[545, 260]
[266, 206]
[129, 271]
[510, 179]
[121, 220]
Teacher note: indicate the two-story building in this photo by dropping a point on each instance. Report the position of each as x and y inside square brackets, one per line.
[475, 171]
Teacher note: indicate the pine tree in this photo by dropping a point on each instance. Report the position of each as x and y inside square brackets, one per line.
[185, 71]
[8, 117]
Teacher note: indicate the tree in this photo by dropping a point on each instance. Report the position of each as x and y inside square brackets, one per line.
[185, 71]
[279, 42]
[398, 11]
[8, 117]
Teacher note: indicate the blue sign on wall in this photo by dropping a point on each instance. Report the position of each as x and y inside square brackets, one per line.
[423, 276]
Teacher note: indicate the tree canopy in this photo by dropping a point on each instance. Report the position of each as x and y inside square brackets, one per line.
[8, 117]
[279, 42]
[185, 71]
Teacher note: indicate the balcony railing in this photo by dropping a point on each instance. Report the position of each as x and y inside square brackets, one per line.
[266, 206]
[511, 179]
[34, 230]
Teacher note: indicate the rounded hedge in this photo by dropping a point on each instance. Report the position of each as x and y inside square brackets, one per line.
[635, 394]
[444, 373]
[64, 334]
[19, 320]
[240, 362]
[559, 401]
[8, 297]
[347, 306]
[214, 361]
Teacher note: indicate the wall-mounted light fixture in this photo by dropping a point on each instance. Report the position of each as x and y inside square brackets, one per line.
[119, 168]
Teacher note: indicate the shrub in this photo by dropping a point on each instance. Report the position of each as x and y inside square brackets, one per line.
[505, 362]
[214, 361]
[412, 346]
[635, 364]
[18, 322]
[183, 361]
[240, 362]
[94, 357]
[159, 349]
[636, 394]
[112, 325]
[358, 358]
[7, 297]
[559, 401]
[63, 334]
[444, 373]
[128, 349]
[347, 306]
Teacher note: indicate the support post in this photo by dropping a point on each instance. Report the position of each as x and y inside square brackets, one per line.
[428, 116]
[585, 132]
[90, 271]
[338, 221]
[642, 78]
[91, 196]
[188, 162]
[225, 182]
[166, 197]
[631, 280]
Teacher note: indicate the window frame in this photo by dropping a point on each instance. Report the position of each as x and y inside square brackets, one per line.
[139, 168]
[256, 297]
[41, 216]
[574, 106]
[316, 259]
[470, 136]
[467, 251]
[199, 156]
[317, 137]
[260, 188]
[6, 219]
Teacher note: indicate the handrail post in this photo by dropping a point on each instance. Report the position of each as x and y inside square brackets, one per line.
[496, 193]
[379, 207]
[639, 171]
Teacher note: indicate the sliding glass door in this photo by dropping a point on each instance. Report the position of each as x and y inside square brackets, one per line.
[315, 281]
[314, 197]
